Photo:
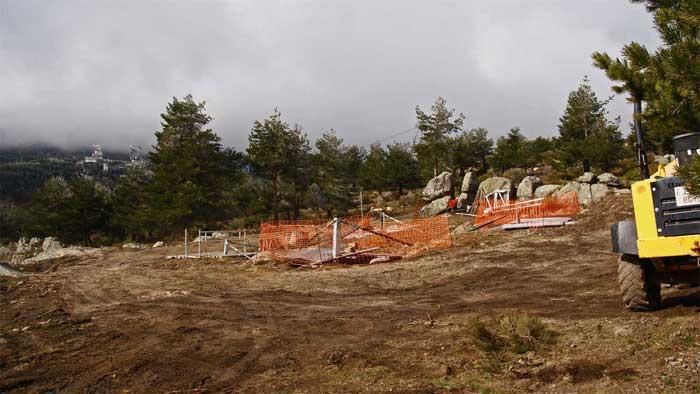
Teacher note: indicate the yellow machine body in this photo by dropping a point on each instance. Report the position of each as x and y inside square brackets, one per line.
[649, 243]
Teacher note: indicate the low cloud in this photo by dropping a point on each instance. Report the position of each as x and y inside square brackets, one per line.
[82, 72]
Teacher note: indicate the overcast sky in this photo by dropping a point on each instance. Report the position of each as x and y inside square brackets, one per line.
[83, 72]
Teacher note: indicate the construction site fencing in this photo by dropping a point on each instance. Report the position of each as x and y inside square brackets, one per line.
[509, 211]
[360, 239]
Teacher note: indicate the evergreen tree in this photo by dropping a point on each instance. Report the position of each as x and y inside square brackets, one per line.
[471, 149]
[629, 71]
[373, 169]
[673, 107]
[88, 208]
[129, 206]
[49, 209]
[331, 173]
[279, 154]
[511, 151]
[401, 168]
[434, 149]
[585, 134]
[70, 211]
[188, 169]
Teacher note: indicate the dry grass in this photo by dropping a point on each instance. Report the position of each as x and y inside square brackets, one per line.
[517, 333]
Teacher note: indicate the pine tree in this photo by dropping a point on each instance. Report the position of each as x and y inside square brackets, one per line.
[401, 168]
[672, 72]
[373, 169]
[73, 211]
[331, 174]
[279, 154]
[188, 169]
[129, 206]
[630, 72]
[434, 150]
[585, 133]
[471, 149]
[511, 151]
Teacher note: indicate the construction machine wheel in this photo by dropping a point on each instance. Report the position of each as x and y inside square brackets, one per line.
[640, 290]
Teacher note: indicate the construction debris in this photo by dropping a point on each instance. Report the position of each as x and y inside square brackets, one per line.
[536, 223]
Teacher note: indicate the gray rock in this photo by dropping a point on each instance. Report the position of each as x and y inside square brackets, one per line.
[6, 270]
[527, 187]
[622, 191]
[439, 186]
[465, 199]
[34, 242]
[435, 208]
[599, 191]
[133, 245]
[546, 190]
[22, 245]
[610, 180]
[587, 177]
[583, 190]
[470, 183]
[72, 251]
[158, 244]
[388, 196]
[490, 185]
[50, 243]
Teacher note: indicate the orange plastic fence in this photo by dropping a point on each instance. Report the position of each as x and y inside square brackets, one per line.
[402, 238]
[566, 205]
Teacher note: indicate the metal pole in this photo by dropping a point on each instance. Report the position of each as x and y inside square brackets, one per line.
[245, 241]
[335, 237]
[362, 216]
[225, 246]
[186, 243]
[199, 244]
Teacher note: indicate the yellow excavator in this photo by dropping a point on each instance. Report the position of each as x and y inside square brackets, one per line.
[662, 244]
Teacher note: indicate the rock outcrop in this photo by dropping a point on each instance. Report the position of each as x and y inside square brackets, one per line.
[470, 183]
[438, 187]
[490, 185]
[435, 207]
[133, 245]
[610, 180]
[587, 177]
[546, 190]
[51, 243]
[527, 187]
[582, 189]
[71, 251]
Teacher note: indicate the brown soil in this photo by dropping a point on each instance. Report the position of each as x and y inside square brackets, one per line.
[133, 321]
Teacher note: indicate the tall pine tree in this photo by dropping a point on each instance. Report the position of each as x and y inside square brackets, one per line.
[585, 134]
[188, 169]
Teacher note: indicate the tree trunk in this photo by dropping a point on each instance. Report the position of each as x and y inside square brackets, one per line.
[275, 199]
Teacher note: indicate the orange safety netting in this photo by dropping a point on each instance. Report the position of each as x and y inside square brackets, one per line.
[383, 235]
[495, 212]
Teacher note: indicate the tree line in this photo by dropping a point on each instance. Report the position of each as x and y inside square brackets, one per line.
[191, 180]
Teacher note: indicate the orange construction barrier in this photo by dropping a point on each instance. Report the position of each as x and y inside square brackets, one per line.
[501, 213]
[382, 234]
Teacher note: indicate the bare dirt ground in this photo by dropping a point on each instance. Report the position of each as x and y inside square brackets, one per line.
[131, 321]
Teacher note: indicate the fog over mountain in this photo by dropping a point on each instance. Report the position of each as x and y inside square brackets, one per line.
[75, 73]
